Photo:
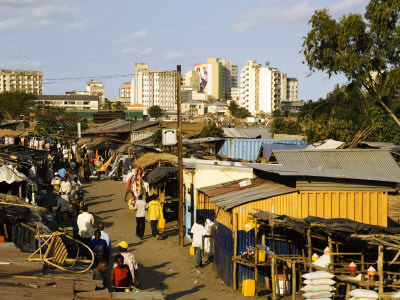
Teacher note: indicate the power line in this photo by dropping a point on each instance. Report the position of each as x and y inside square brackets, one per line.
[74, 79]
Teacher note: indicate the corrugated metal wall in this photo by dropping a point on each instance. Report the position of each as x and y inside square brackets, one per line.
[364, 207]
[249, 149]
[223, 252]
[282, 204]
[204, 207]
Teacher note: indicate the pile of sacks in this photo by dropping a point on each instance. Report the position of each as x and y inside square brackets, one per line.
[319, 285]
[362, 294]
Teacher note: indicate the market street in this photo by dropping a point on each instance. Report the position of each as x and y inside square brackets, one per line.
[162, 265]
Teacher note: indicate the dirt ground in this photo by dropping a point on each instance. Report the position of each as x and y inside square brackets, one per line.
[162, 264]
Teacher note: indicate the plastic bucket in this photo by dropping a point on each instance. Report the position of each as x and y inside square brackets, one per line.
[192, 250]
[161, 225]
[248, 287]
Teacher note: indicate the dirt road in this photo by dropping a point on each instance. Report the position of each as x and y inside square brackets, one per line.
[162, 265]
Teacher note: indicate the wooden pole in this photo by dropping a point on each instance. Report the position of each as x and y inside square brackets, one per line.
[273, 275]
[235, 228]
[309, 248]
[293, 281]
[256, 256]
[330, 245]
[180, 160]
[380, 269]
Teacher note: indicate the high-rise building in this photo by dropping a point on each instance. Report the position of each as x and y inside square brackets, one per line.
[96, 88]
[16, 80]
[292, 89]
[155, 87]
[217, 77]
[235, 93]
[229, 77]
[125, 91]
[261, 88]
[192, 80]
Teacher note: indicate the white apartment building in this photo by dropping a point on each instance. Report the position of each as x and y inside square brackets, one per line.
[16, 80]
[248, 85]
[70, 102]
[151, 88]
[292, 89]
[125, 91]
[262, 88]
[235, 93]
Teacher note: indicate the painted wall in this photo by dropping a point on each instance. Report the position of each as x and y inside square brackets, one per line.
[205, 175]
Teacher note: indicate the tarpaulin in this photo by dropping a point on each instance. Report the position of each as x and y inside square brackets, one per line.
[160, 174]
[10, 175]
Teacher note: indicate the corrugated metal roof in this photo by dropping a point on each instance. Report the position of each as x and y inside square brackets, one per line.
[371, 162]
[296, 171]
[263, 191]
[120, 125]
[247, 133]
[202, 140]
[249, 149]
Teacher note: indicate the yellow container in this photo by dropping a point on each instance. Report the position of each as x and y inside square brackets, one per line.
[248, 287]
[161, 225]
[192, 250]
[261, 255]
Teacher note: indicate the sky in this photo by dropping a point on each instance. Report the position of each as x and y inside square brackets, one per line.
[73, 41]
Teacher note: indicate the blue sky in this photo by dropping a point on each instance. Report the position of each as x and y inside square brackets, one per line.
[91, 38]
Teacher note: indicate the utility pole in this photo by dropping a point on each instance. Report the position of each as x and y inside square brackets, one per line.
[180, 160]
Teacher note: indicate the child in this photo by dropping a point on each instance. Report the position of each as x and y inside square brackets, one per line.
[120, 277]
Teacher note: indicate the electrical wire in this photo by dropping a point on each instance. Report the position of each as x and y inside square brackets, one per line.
[75, 79]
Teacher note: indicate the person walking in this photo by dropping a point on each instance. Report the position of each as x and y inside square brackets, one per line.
[103, 235]
[56, 182]
[130, 261]
[85, 224]
[76, 195]
[140, 207]
[99, 248]
[198, 231]
[155, 213]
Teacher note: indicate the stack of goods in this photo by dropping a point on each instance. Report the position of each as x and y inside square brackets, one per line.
[322, 261]
[362, 294]
[264, 253]
[318, 285]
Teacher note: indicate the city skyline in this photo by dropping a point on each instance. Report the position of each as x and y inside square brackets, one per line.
[89, 40]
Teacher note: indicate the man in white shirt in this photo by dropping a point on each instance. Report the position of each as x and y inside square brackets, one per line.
[140, 207]
[198, 231]
[103, 235]
[65, 188]
[85, 224]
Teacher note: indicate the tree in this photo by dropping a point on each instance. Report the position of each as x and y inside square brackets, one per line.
[107, 105]
[13, 104]
[364, 49]
[211, 130]
[46, 126]
[70, 130]
[237, 111]
[119, 106]
[155, 111]
[156, 138]
[343, 113]
[280, 125]
[277, 113]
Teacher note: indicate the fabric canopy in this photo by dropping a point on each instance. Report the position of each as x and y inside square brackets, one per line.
[10, 175]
